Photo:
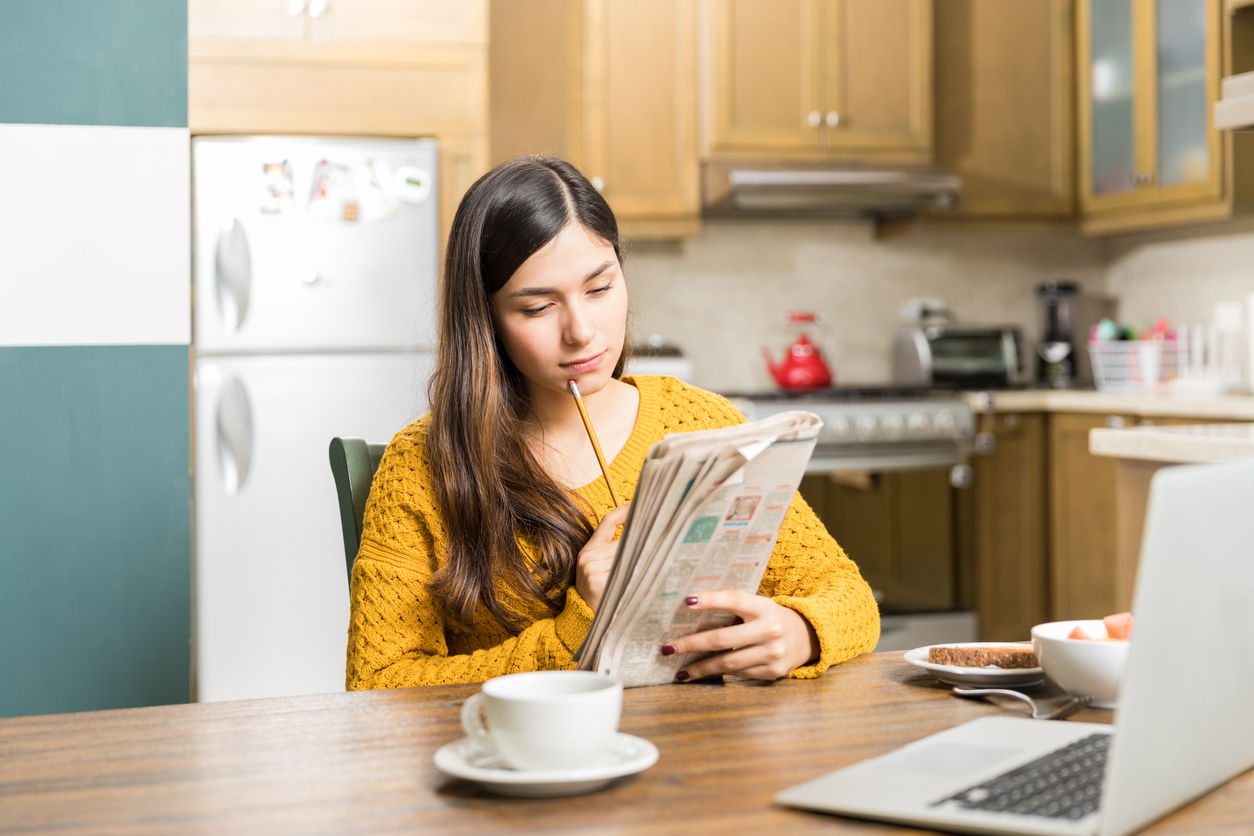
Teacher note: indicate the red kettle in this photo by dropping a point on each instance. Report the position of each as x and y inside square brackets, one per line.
[803, 366]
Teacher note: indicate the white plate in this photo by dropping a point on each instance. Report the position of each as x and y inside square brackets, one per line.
[987, 677]
[469, 760]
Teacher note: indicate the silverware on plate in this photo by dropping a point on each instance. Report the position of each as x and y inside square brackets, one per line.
[1039, 712]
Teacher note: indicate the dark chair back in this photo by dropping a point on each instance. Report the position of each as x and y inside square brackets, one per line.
[353, 463]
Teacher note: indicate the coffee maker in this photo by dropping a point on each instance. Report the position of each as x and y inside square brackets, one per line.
[1057, 349]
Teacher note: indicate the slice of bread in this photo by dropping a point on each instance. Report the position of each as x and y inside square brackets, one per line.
[1008, 657]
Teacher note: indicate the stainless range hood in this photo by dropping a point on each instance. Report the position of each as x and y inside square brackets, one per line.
[1235, 111]
[877, 192]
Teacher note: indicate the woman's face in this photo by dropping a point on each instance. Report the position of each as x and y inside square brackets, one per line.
[563, 314]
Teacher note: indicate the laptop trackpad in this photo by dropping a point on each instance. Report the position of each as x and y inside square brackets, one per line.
[950, 760]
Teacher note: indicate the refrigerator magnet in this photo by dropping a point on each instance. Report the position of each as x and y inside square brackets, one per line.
[413, 184]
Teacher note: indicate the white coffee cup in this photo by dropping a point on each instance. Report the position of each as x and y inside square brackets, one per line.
[547, 720]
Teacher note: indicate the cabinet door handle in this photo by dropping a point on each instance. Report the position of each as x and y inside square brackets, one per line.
[598, 184]
[1114, 422]
[317, 8]
[816, 119]
[295, 8]
[961, 476]
[985, 444]
[833, 119]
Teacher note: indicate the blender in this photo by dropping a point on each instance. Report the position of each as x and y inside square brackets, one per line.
[1057, 347]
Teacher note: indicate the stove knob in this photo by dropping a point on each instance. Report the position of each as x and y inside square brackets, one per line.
[920, 427]
[840, 430]
[894, 426]
[867, 428]
[945, 424]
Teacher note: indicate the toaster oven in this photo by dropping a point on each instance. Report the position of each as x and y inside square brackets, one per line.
[963, 357]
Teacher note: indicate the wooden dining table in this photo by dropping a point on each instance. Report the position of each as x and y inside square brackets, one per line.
[350, 763]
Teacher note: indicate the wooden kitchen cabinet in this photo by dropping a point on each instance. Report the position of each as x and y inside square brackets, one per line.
[404, 68]
[1083, 535]
[1005, 100]
[391, 21]
[1091, 576]
[1149, 76]
[609, 85]
[1010, 523]
[338, 21]
[900, 528]
[814, 80]
[262, 20]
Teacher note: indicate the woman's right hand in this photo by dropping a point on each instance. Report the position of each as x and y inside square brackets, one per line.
[596, 558]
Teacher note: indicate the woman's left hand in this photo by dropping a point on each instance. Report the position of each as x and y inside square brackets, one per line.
[771, 641]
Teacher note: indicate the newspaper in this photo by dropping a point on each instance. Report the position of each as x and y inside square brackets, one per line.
[706, 514]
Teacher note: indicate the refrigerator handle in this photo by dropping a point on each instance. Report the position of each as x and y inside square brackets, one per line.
[234, 274]
[235, 435]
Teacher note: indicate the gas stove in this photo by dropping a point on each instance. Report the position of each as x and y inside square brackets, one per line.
[877, 430]
[876, 427]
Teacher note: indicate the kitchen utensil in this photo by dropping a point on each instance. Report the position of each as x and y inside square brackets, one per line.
[1058, 309]
[545, 720]
[470, 761]
[1039, 711]
[1083, 668]
[803, 366]
[1135, 365]
[976, 677]
[966, 357]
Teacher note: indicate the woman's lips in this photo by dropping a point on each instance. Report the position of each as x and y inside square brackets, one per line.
[586, 365]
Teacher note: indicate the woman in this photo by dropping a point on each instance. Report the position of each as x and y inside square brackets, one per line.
[481, 553]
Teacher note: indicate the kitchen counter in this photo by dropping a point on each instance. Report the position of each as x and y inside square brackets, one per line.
[1223, 407]
[1142, 452]
[1176, 445]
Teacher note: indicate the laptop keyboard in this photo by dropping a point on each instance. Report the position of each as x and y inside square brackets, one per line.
[1065, 784]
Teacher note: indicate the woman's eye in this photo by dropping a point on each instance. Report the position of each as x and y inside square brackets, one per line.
[536, 311]
[597, 291]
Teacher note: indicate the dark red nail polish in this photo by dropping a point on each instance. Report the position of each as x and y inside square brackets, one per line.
[682, 676]
[692, 600]
[668, 650]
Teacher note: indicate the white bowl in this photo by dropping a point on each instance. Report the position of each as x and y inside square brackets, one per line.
[1084, 668]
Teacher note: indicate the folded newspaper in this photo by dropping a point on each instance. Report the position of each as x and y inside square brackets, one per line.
[705, 515]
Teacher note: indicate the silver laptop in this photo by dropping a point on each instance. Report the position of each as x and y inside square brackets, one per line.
[1184, 722]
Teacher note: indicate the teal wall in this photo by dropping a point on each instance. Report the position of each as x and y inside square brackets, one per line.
[77, 62]
[95, 541]
[94, 601]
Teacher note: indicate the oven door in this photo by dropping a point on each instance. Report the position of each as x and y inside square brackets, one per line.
[904, 520]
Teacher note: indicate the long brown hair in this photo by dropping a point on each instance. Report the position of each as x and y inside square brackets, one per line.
[492, 492]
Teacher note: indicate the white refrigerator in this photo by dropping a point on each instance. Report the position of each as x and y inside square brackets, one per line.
[314, 271]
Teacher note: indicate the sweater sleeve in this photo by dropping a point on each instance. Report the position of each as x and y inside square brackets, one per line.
[397, 631]
[811, 575]
[396, 634]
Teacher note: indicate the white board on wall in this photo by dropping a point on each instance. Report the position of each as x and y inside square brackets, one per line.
[95, 235]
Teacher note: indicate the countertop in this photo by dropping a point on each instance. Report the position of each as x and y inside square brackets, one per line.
[1187, 444]
[1230, 407]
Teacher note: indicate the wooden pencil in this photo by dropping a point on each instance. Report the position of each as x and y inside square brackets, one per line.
[596, 445]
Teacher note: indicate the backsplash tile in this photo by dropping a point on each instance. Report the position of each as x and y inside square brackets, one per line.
[719, 297]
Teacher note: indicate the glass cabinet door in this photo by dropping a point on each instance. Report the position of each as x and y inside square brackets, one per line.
[1183, 102]
[1111, 75]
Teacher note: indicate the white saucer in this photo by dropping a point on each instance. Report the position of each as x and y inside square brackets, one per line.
[985, 677]
[466, 759]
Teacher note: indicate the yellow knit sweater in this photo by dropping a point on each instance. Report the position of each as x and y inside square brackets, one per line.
[398, 635]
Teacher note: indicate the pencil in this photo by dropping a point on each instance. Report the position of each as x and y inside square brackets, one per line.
[596, 445]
